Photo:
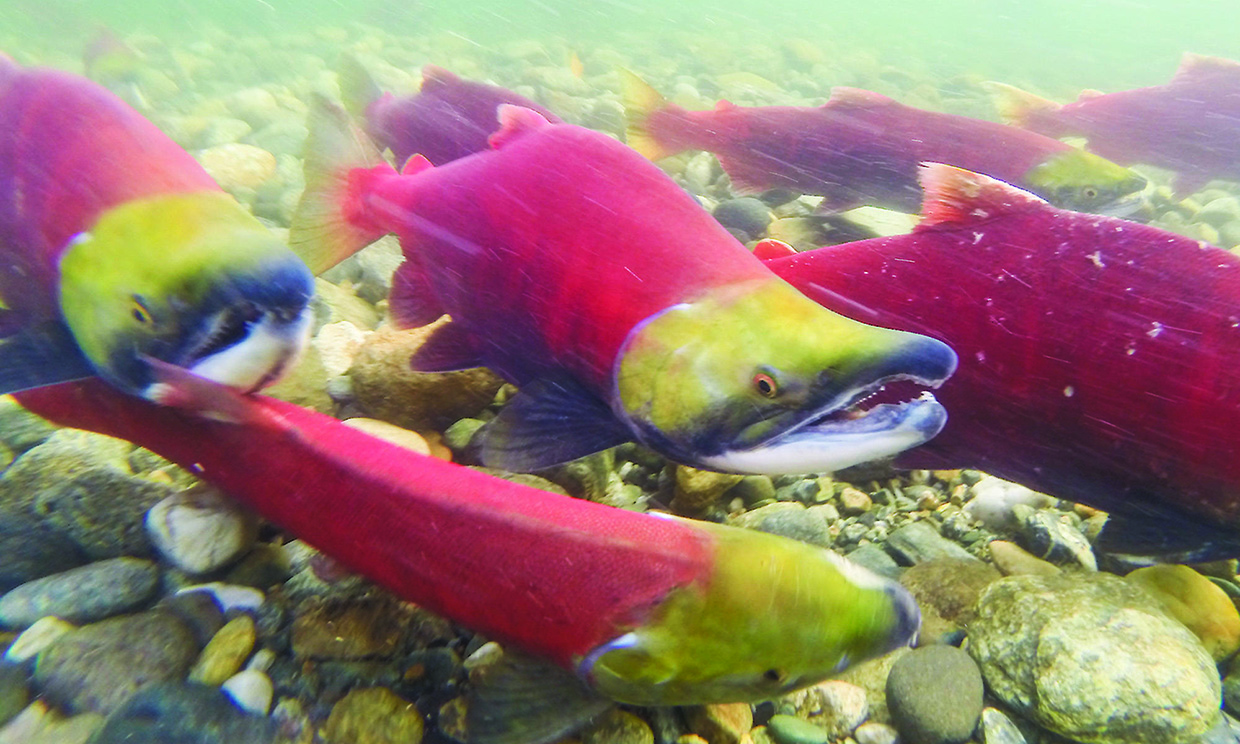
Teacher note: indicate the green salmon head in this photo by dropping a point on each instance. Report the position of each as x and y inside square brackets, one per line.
[190, 280]
[1082, 181]
[774, 615]
[757, 378]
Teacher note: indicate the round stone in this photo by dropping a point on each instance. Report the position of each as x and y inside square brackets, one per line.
[935, 695]
[792, 730]
[79, 595]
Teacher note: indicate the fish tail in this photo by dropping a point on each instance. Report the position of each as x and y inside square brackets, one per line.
[1019, 107]
[358, 90]
[331, 222]
[641, 102]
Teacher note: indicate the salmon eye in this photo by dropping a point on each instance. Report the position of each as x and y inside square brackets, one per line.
[1089, 192]
[139, 310]
[773, 675]
[765, 385]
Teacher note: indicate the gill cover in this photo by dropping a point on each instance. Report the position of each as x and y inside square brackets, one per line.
[1082, 181]
[774, 615]
[739, 379]
[192, 280]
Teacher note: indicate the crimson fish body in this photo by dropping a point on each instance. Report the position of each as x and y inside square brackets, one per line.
[448, 118]
[626, 607]
[863, 148]
[1187, 125]
[580, 272]
[1099, 359]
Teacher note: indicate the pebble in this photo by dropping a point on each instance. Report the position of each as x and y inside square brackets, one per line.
[41, 634]
[877, 560]
[747, 214]
[229, 597]
[14, 691]
[789, 519]
[236, 166]
[876, 733]
[696, 491]
[854, 501]
[250, 690]
[372, 628]
[1013, 560]
[1219, 211]
[1051, 535]
[201, 530]
[32, 550]
[337, 344]
[226, 652]
[617, 726]
[374, 715]
[950, 586]
[1093, 658]
[919, 542]
[391, 433]
[99, 666]
[994, 499]
[871, 675]
[721, 723]
[184, 712]
[1194, 600]
[935, 695]
[792, 730]
[835, 706]
[199, 611]
[999, 729]
[79, 595]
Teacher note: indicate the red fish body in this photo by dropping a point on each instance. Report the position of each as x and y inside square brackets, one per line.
[1188, 125]
[863, 148]
[71, 150]
[1099, 359]
[447, 119]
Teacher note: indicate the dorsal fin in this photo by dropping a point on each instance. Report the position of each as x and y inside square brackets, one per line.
[435, 77]
[1198, 66]
[514, 123]
[955, 196]
[844, 97]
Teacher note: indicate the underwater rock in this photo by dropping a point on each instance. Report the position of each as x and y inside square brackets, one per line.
[876, 733]
[14, 691]
[935, 695]
[410, 440]
[721, 723]
[250, 690]
[84, 594]
[854, 502]
[1051, 535]
[236, 166]
[871, 675]
[369, 271]
[789, 519]
[99, 666]
[306, 384]
[919, 542]
[181, 712]
[225, 652]
[20, 429]
[1093, 658]
[1218, 212]
[877, 560]
[999, 729]
[833, 706]
[784, 729]
[617, 727]
[1014, 560]
[337, 344]
[33, 550]
[994, 499]
[387, 389]
[41, 634]
[201, 530]
[374, 715]
[747, 214]
[341, 629]
[1194, 600]
[697, 491]
[949, 586]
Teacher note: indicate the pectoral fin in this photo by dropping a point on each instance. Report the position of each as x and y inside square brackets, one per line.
[449, 347]
[43, 355]
[524, 700]
[547, 423]
[412, 301]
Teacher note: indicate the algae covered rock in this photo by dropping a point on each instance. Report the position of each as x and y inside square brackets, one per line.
[1195, 601]
[1093, 658]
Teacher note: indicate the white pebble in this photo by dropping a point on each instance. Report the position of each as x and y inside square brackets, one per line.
[487, 654]
[37, 637]
[337, 344]
[230, 596]
[262, 660]
[250, 691]
[994, 498]
[200, 530]
[876, 733]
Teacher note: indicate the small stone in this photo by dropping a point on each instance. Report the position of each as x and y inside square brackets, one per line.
[998, 728]
[721, 723]
[41, 634]
[226, 652]
[871, 675]
[876, 733]
[485, 655]
[99, 666]
[201, 530]
[617, 727]
[230, 596]
[261, 568]
[746, 214]
[374, 715]
[752, 489]
[223, 131]
[835, 706]
[950, 586]
[14, 692]
[935, 695]
[994, 498]
[237, 166]
[338, 344]
[792, 730]
[788, 519]
[181, 712]
[250, 690]
[337, 629]
[1049, 535]
[199, 611]
[79, 595]
[1194, 600]
[32, 550]
[854, 501]
[391, 433]
[1219, 211]
[452, 719]
[877, 560]
[697, 491]
[918, 542]
[1013, 560]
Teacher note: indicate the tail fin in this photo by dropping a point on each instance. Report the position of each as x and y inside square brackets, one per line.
[640, 102]
[357, 88]
[325, 228]
[1016, 106]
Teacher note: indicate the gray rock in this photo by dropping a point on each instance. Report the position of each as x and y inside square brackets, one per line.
[100, 666]
[20, 429]
[32, 550]
[918, 542]
[1093, 658]
[84, 594]
[1051, 535]
[789, 519]
[200, 530]
[14, 691]
[1219, 211]
[182, 713]
[999, 729]
[934, 694]
[747, 214]
[101, 510]
[877, 560]
[792, 730]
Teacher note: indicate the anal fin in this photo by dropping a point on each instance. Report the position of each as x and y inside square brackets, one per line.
[549, 422]
[524, 700]
[412, 301]
[43, 355]
[449, 347]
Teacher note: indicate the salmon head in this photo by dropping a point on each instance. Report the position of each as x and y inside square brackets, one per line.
[1082, 181]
